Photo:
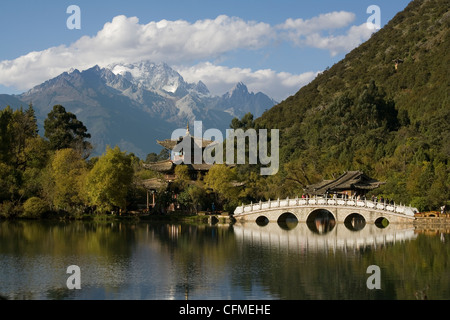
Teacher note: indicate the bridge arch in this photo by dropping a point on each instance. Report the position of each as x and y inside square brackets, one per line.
[321, 221]
[287, 221]
[262, 221]
[355, 222]
[382, 222]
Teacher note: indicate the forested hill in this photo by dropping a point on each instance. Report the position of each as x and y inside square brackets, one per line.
[383, 109]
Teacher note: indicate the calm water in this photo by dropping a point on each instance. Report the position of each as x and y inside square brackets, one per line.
[178, 261]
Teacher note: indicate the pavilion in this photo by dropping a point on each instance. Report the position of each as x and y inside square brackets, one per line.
[350, 183]
[167, 167]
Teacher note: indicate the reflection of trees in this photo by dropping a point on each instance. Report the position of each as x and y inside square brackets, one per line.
[63, 238]
[297, 275]
[419, 264]
[407, 268]
[192, 258]
[196, 252]
[61, 244]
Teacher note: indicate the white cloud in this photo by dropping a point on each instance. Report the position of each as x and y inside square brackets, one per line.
[327, 21]
[183, 43]
[219, 79]
[309, 33]
[125, 40]
[342, 43]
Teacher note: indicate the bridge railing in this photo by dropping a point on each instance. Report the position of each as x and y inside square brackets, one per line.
[286, 203]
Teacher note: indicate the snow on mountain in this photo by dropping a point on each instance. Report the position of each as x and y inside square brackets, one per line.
[152, 76]
[133, 105]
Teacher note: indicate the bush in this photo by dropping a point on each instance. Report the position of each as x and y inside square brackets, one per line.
[10, 210]
[34, 208]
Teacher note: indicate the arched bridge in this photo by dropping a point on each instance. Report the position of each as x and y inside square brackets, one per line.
[313, 209]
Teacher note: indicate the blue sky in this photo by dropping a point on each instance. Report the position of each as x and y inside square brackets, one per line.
[272, 46]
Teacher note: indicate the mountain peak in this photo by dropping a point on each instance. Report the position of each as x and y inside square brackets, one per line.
[240, 86]
[240, 89]
[150, 75]
[201, 88]
[73, 70]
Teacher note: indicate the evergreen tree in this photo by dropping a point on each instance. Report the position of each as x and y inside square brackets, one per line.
[18, 137]
[63, 130]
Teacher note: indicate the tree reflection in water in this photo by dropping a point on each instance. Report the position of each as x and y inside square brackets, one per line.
[245, 260]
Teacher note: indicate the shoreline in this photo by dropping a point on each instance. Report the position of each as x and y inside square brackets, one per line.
[419, 222]
[133, 217]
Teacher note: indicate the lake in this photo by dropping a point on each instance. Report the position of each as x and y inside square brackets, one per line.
[162, 261]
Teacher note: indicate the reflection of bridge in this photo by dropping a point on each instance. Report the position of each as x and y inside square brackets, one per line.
[301, 238]
[339, 210]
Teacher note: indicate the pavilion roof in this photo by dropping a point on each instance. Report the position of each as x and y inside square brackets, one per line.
[168, 165]
[350, 180]
[170, 144]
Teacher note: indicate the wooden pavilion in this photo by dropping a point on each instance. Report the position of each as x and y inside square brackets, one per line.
[167, 167]
[350, 183]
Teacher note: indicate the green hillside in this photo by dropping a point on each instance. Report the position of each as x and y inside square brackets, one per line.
[364, 113]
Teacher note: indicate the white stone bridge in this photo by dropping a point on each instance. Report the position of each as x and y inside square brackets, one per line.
[311, 209]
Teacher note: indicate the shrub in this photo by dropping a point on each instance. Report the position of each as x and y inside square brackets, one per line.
[10, 210]
[34, 208]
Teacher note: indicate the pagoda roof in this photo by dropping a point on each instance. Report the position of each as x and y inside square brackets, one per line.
[169, 165]
[350, 180]
[170, 143]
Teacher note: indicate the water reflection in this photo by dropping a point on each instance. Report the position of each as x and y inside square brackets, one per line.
[240, 261]
[287, 221]
[355, 222]
[326, 236]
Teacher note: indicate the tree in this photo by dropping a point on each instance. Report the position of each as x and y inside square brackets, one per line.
[302, 172]
[9, 182]
[64, 130]
[5, 134]
[182, 177]
[16, 127]
[37, 156]
[151, 157]
[18, 135]
[164, 154]
[245, 123]
[220, 179]
[108, 182]
[193, 196]
[68, 171]
[439, 191]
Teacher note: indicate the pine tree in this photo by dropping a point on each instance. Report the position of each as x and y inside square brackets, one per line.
[64, 130]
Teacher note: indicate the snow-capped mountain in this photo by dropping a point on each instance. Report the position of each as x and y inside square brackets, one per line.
[133, 105]
[152, 76]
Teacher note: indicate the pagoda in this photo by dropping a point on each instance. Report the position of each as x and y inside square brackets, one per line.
[177, 157]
